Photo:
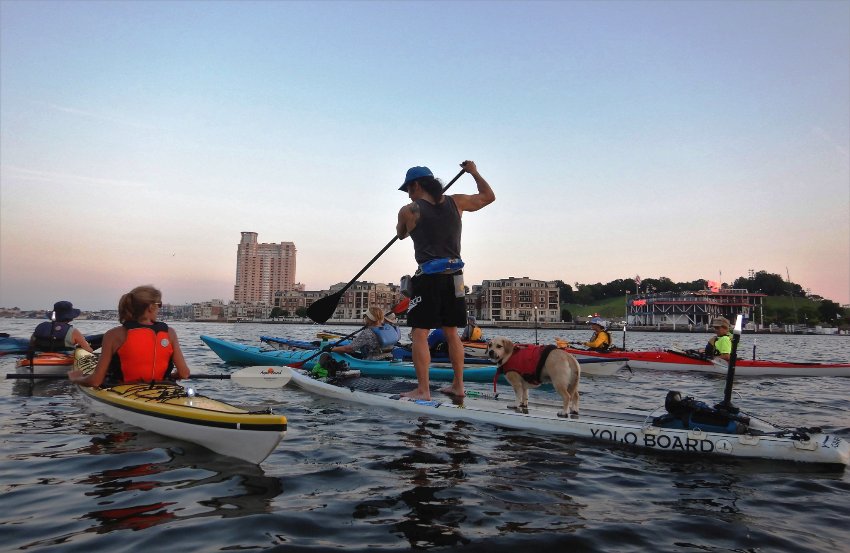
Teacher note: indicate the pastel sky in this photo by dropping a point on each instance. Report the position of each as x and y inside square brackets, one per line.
[680, 139]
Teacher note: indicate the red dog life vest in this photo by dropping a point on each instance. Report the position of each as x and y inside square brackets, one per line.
[527, 361]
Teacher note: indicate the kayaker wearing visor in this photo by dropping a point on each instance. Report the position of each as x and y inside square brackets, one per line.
[601, 340]
[142, 349]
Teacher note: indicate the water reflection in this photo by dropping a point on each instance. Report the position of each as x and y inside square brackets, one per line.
[228, 488]
[434, 463]
[131, 518]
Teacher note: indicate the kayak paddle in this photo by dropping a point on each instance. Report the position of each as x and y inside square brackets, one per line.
[323, 309]
[258, 376]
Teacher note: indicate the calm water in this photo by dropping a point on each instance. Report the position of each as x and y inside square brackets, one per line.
[347, 476]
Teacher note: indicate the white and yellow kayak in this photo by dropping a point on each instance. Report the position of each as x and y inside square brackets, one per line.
[166, 408]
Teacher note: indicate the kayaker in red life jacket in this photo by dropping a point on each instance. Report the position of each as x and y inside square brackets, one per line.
[142, 349]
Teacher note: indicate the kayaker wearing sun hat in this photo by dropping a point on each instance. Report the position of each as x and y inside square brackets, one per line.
[721, 344]
[58, 333]
[601, 340]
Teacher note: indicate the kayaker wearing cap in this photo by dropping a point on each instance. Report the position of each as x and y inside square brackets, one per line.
[142, 349]
[58, 333]
[438, 296]
[720, 345]
[601, 340]
[472, 332]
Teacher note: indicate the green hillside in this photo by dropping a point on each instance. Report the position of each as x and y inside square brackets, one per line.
[613, 309]
[777, 309]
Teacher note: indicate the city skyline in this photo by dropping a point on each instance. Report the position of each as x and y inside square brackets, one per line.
[683, 140]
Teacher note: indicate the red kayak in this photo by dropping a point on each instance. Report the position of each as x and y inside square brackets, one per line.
[672, 360]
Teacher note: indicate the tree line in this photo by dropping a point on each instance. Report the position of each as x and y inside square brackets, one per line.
[770, 284]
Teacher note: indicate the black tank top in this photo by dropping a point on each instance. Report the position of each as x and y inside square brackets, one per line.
[437, 232]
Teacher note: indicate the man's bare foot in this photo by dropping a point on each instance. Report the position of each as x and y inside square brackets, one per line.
[452, 391]
[417, 394]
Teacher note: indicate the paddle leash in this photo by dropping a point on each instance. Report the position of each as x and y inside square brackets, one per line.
[323, 309]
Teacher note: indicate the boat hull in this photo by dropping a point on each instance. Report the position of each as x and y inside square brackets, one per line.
[166, 408]
[674, 361]
[241, 354]
[629, 428]
[46, 364]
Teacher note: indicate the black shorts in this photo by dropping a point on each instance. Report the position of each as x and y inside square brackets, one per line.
[434, 301]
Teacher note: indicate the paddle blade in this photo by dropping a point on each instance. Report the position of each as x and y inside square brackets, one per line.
[323, 309]
[401, 306]
[262, 376]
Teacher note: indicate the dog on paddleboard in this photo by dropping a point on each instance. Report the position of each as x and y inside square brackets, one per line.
[527, 366]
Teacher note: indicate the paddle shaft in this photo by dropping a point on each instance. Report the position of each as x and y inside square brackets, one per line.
[730, 372]
[391, 242]
[28, 376]
[321, 310]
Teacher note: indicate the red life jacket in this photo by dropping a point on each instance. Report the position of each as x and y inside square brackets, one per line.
[527, 361]
[145, 355]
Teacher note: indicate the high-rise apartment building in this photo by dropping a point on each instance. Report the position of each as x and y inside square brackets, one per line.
[263, 269]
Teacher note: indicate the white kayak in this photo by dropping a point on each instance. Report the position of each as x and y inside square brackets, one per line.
[630, 428]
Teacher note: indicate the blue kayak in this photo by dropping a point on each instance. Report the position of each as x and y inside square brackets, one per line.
[399, 352]
[242, 354]
[10, 344]
[292, 343]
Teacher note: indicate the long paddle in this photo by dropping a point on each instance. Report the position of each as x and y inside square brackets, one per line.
[397, 309]
[323, 309]
[730, 372]
[258, 376]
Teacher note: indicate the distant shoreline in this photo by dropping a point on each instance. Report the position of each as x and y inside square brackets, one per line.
[513, 325]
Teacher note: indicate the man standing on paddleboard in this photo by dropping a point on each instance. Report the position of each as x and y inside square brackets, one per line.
[437, 293]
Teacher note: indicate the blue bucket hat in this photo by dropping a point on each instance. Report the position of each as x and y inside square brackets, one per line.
[415, 173]
[64, 311]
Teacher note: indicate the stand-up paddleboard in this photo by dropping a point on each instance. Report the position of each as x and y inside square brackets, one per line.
[757, 439]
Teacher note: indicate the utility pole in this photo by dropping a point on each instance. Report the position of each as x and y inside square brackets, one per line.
[793, 302]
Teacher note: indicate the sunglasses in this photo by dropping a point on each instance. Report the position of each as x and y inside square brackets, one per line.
[158, 304]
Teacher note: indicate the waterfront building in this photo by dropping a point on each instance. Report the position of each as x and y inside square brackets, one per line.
[353, 303]
[262, 270]
[357, 299]
[516, 299]
[293, 300]
[213, 310]
[694, 308]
